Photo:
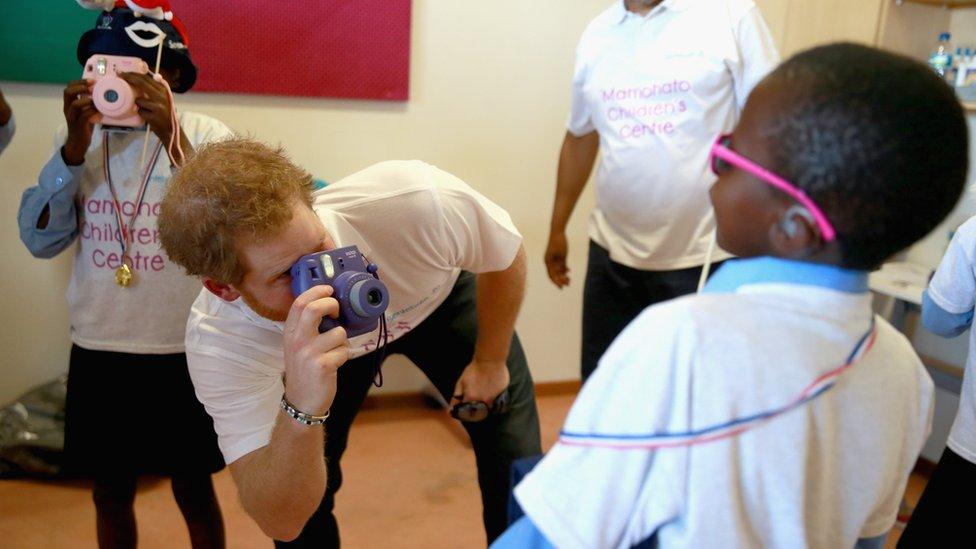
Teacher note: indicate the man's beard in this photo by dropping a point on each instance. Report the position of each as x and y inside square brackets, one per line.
[267, 312]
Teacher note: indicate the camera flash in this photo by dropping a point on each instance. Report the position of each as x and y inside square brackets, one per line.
[327, 265]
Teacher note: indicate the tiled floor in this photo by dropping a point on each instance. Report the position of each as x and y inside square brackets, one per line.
[409, 482]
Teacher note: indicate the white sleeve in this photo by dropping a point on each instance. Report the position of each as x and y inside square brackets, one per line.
[757, 54]
[953, 288]
[479, 235]
[580, 121]
[591, 489]
[217, 132]
[204, 129]
[242, 400]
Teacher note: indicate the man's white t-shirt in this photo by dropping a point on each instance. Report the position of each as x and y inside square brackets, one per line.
[148, 317]
[419, 224]
[825, 474]
[659, 89]
[953, 288]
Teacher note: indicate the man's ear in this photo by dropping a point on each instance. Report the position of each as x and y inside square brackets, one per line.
[223, 291]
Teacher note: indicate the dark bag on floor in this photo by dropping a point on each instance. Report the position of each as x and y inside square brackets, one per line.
[32, 432]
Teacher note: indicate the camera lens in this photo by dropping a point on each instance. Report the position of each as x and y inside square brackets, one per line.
[111, 96]
[374, 297]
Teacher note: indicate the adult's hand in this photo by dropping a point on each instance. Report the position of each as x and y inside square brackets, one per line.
[481, 381]
[312, 360]
[556, 252]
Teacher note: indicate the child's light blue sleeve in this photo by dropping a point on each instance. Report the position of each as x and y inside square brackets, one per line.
[947, 306]
[7, 133]
[523, 534]
[941, 322]
[55, 189]
[877, 542]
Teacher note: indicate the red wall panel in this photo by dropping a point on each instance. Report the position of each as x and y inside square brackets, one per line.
[326, 48]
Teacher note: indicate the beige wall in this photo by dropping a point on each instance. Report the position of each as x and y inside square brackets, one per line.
[489, 95]
[963, 27]
[913, 29]
[910, 28]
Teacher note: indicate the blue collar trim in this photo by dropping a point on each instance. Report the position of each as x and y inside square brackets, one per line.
[740, 272]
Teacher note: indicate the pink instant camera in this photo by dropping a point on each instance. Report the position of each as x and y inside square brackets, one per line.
[113, 97]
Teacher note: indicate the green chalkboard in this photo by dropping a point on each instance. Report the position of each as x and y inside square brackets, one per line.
[38, 39]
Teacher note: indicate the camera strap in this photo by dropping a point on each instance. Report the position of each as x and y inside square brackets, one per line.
[381, 341]
[382, 338]
[174, 137]
[124, 275]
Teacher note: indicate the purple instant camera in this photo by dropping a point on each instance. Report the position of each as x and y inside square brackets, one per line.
[362, 297]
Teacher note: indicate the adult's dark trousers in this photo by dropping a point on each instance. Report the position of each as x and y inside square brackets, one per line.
[441, 346]
[614, 294]
[945, 510]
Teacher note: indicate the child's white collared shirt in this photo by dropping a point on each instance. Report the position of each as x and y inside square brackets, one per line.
[825, 474]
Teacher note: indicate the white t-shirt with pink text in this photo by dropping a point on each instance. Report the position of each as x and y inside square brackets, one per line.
[148, 317]
[659, 89]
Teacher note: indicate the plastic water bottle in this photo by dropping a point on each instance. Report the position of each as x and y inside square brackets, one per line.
[954, 67]
[965, 68]
[941, 57]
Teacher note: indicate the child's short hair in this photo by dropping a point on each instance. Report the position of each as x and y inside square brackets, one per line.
[875, 138]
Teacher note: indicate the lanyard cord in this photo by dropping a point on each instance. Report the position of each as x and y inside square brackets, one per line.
[174, 136]
[381, 342]
[729, 429]
[107, 171]
[382, 338]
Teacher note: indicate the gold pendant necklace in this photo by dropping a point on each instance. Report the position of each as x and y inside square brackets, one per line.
[123, 275]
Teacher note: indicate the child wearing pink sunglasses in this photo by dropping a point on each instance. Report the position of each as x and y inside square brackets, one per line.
[774, 409]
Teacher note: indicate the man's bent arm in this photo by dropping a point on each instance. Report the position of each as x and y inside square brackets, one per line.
[282, 484]
[500, 295]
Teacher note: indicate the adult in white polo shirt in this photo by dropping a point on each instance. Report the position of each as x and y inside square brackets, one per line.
[239, 214]
[655, 83]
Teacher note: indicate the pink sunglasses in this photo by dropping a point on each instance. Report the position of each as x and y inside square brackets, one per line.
[722, 157]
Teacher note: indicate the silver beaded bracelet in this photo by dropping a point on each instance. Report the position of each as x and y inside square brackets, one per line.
[302, 417]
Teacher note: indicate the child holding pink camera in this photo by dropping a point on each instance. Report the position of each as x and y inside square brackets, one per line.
[131, 409]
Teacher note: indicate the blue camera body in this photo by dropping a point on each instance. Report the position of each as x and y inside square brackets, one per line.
[362, 297]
